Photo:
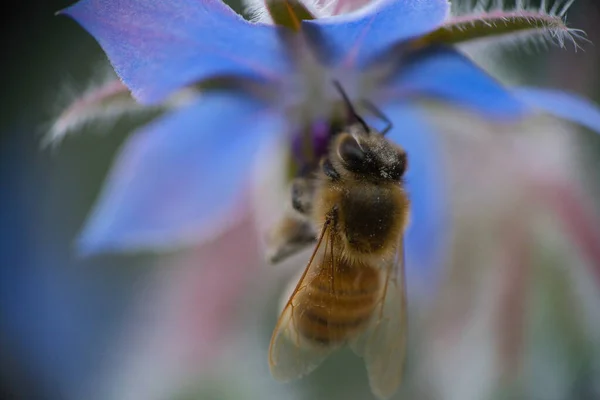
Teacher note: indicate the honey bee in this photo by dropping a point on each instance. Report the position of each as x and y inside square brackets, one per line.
[352, 291]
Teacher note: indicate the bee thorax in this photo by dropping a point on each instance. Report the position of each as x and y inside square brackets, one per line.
[372, 218]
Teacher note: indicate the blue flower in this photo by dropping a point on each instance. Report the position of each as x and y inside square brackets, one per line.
[182, 175]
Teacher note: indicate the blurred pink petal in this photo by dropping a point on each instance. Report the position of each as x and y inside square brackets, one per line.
[578, 219]
[514, 286]
[212, 297]
[505, 182]
[185, 318]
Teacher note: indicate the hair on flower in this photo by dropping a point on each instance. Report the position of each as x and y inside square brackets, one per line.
[257, 9]
[522, 26]
[105, 102]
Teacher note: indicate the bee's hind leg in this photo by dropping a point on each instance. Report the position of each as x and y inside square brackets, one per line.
[294, 232]
[290, 236]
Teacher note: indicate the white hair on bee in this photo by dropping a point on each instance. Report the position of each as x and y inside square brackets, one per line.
[548, 23]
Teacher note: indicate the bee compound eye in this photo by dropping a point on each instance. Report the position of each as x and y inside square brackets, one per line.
[351, 152]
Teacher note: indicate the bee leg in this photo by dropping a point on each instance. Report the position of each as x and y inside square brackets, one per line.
[302, 192]
[290, 236]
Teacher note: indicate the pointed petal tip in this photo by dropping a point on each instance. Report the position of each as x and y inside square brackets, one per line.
[64, 12]
[86, 248]
[92, 243]
[89, 244]
[68, 10]
[148, 59]
[96, 236]
[160, 197]
[563, 105]
[97, 239]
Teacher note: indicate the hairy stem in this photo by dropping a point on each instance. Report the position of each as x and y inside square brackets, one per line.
[499, 23]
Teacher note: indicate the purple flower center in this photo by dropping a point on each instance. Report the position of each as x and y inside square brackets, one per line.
[311, 144]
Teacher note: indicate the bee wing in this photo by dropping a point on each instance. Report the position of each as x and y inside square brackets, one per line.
[383, 343]
[290, 355]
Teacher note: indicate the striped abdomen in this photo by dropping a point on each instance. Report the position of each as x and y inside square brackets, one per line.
[335, 307]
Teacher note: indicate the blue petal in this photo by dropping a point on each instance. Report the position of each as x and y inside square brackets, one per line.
[445, 74]
[563, 105]
[157, 47]
[178, 179]
[355, 38]
[425, 184]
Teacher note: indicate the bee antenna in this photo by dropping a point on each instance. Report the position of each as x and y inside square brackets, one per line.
[377, 112]
[350, 107]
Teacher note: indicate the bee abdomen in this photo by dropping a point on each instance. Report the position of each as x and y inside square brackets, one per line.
[325, 326]
[336, 311]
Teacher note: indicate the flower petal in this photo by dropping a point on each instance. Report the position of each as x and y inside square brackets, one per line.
[157, 47]
[177, 180]
[424, 182]
[563, 105]
[355, 38]
[445, 74]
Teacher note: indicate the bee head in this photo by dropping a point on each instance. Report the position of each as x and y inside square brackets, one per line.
[368, 156]
[362, 151]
